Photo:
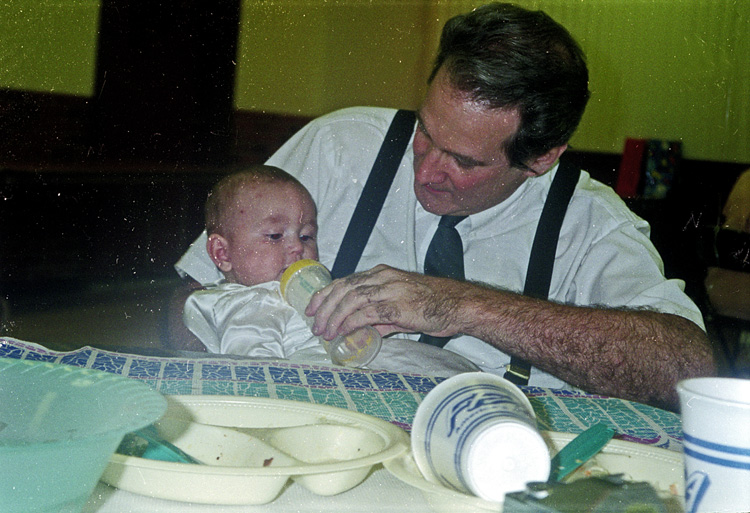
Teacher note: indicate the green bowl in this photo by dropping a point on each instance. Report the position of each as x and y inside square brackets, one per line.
[59, 426]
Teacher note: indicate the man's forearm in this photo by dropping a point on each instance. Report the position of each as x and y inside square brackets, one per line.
[633, 354]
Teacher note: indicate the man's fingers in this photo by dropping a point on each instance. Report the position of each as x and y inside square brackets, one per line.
[353, 310]
[341, 298]
[387, 298]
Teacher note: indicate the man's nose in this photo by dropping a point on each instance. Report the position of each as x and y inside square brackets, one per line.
[431, 167]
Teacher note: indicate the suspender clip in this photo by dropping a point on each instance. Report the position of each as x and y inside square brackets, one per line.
[517, 374]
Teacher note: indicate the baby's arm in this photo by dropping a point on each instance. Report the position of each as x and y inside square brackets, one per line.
[233, 319]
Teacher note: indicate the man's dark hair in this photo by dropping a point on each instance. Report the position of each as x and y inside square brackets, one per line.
[512, 58]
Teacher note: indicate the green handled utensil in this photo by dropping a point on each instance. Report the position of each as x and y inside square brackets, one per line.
[146, 443]
[579, 450]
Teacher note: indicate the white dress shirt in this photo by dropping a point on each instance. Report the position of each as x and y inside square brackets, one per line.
[604, 255]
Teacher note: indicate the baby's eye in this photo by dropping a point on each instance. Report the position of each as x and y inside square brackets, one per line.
[275, 236]
[307, 238]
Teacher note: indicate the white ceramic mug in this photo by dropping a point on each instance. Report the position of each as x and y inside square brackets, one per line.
[476, 433]
[716, 439]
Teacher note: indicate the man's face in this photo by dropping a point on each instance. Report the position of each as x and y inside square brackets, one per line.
[460, 167]
[274, 225]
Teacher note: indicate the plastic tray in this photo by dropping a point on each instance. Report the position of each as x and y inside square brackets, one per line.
[251, 447]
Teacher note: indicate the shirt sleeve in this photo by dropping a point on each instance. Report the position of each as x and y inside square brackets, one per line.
[196, 263]
[624, 269]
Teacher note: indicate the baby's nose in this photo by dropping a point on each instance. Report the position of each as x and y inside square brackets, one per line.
[295, 246]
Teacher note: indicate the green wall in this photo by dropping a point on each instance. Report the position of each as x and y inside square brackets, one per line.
[666, 69]
[313, 57]
[671, 69]
[49, 46]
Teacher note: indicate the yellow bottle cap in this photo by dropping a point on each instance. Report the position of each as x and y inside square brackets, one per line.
[296, 266]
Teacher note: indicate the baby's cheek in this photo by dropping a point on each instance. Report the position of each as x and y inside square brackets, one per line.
[311, 252]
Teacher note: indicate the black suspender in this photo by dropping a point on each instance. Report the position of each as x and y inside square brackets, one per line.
[542, 258]
[374, 193]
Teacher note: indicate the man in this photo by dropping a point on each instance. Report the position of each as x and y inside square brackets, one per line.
[507, 91]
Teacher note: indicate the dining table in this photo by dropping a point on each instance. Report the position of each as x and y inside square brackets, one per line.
[384, 394]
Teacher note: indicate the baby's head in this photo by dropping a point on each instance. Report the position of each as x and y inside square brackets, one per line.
[259, 222]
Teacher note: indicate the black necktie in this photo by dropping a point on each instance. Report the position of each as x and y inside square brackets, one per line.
[445, 258]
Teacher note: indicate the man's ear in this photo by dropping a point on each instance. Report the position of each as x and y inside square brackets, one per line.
[218, 249]
[544, 163]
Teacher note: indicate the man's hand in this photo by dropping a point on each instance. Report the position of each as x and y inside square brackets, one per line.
[389, 299]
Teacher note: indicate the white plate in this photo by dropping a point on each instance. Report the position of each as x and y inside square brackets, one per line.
[662, 468]
[251, 447]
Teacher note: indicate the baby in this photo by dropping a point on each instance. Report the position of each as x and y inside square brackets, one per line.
[258, 222]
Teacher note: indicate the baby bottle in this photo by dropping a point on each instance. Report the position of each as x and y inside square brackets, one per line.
[299, 282]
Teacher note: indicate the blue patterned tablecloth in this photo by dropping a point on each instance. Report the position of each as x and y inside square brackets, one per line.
[389, 396]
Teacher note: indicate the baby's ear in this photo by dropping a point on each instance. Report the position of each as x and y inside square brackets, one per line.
[218, 249]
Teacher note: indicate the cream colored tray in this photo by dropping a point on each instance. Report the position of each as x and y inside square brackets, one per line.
[662, 468]
[251, 447]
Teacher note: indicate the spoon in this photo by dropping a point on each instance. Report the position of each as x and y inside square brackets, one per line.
[579, 450]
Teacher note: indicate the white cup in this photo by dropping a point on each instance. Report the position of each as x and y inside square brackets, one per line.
[476, 433]
[716, 440]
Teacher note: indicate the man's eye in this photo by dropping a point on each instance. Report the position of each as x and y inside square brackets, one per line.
[464, 164]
